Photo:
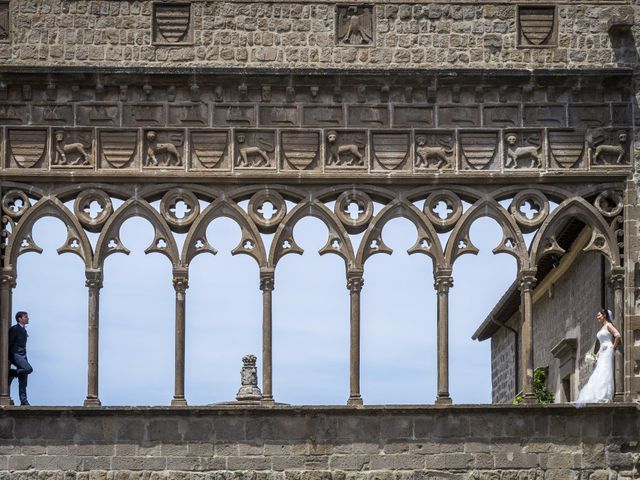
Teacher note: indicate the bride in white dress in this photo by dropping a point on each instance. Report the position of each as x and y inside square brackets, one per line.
[600, 387]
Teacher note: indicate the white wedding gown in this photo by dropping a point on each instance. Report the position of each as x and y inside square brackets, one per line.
[600, 387]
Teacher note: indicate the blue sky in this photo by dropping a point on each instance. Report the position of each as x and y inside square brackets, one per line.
[224, 317]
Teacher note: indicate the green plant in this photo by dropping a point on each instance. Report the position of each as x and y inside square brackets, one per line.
[542, 393]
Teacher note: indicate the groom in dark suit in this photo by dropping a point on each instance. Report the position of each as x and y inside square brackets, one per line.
[18, 355]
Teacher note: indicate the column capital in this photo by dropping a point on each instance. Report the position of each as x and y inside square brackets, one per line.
[267, 279]
[8, 277]
[443, 280]
[355, 280]
[180, 279]
[527, 279]
[94, 278]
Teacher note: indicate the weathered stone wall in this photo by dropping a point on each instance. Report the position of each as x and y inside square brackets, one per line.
[293, 35]
[460, 443]
[503, 366]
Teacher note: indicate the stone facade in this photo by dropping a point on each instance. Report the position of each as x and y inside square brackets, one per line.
[277, 35]
[419, 443]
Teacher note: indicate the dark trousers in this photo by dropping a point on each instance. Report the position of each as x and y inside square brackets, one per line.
[23, 369]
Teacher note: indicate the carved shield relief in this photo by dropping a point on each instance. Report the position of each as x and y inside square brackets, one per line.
[390, 150]
[300, 150]
[537, 25]
[26, 148]
[118, 148]
[479, 150]
[172, 23]
[567, 148]
[209, 149]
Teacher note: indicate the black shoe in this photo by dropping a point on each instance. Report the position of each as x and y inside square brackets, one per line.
[11, 402]
[25, 403]
[13, 373]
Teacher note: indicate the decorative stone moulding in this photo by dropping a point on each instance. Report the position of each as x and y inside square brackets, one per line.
[172, 24]
[537, 26]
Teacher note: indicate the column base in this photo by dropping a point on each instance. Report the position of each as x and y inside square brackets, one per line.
[529, 399]
[267, 400]
[5, 401]
[618, 397]
[355, 401]
[178, 402]
[443, 399]
[92, 402]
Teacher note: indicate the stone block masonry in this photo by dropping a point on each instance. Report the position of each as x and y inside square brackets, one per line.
[295, 443]
[279, 35]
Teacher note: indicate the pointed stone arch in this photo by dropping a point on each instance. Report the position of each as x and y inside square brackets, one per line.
[427, 241]
[312, 208]
[512, 240]
[21, 239]
[250, 244]
[109, 241]
[602, 239]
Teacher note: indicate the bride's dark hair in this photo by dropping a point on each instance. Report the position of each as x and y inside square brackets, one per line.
[607, 317]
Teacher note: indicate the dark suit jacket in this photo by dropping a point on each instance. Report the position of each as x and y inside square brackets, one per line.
[17, 340]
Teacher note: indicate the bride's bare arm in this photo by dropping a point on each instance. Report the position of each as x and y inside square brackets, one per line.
[617, 339]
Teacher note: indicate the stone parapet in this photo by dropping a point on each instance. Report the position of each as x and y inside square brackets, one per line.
[282, 442]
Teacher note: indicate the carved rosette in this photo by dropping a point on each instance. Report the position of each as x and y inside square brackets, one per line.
[180, 208]
[15, 203]
[354, 208]
[267, 209]
[93, 207]
[536, 206]
[443, 208]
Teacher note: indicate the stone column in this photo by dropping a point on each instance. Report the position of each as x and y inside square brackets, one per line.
[527, 281]
[267, 279]
[616, 281]
[443, 282]
[94, 284]
[355, 282]
[7, 284]
[180, 284]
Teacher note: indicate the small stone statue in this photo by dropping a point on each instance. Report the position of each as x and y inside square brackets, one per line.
[249, 390]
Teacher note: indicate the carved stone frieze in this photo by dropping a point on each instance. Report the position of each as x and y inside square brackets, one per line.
[255, 149]
[163, 148]
[52, 114]
[188, 115]
[390, 151]
[234, 116]
[118, 149]
[73, 148]
[566, 148]
[435, 150]
[608, 147]
[26, 147]
[98, 114]
[345, 149]
[300, 150]
[320, 126]
[210, 149]
[14, 113]
[479, 150]
[523, 149]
